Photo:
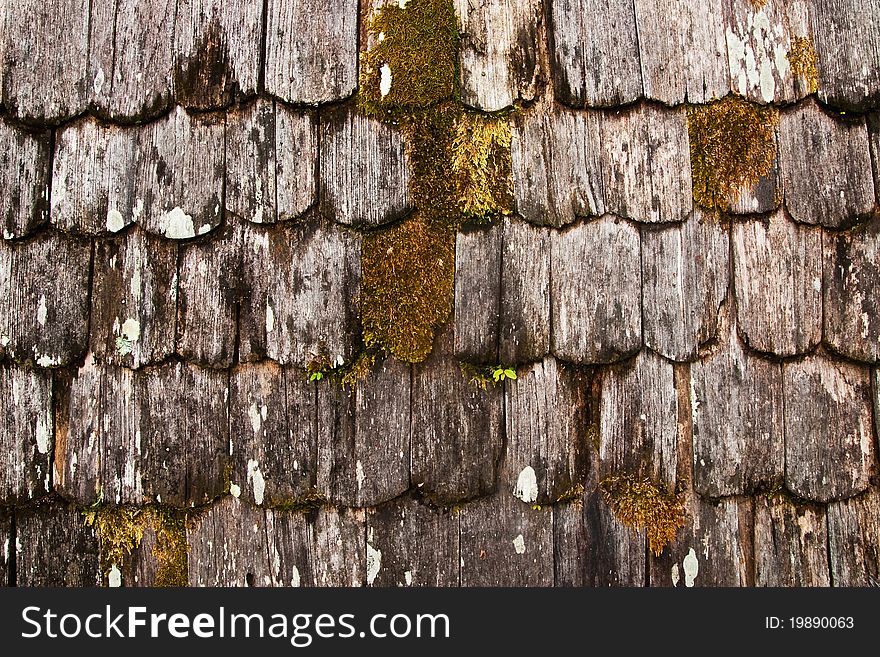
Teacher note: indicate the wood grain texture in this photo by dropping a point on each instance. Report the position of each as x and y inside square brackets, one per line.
[764, 196]
[338, 552]
[506, 543]
[569, 544]
[826, 167]
[216, 52]
[556, 159]
[364, 437]
[853, 537]
[44, 68]
[364, 179]
[180, 174]
[412, 544]
[682, 50]
[638, 421]
[758, 43]
[456, 428]
[778, 280]
[498, 52]
[873, 121]
[131, 58]
[851, 281]
[312, 276]
[713, 549]
[547, 412]
[829, 434]
[738, 425]
[646, 164]
[595, 52]
[44, 308]
[524, 329]
[685, 271]
[272, 436]
[57, 548]
[134, 299]
[26, 434]
[311, 50]
[5, 526]
[24, 180]
[847, 34]
[791, 544]
[271, 152]
[596, 291]
[478, 257]
[94, 177]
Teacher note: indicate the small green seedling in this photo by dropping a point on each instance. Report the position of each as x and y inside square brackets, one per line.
[316, 376]
[501, 373]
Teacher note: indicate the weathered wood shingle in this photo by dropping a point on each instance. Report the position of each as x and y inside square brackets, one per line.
[24, 181]
[791, 544]
[478, 262]
[853, 537]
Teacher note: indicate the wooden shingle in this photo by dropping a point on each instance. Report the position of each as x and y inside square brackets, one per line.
[853, 536]
[55, 547]
[478, 262]
[24, 163]
[791, 544]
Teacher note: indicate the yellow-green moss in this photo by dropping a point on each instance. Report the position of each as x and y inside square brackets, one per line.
[804, 65]
[732, 143]
[639, 504]
[121, 530]
[418, 46]
[482, 376]
[573, 494]
[310, 501]
[481, 164]
[406, 287]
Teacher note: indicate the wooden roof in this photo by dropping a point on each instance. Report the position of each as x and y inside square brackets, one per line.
[185, 191]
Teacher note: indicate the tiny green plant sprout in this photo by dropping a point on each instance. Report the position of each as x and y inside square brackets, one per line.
[500, 373]
[481, 377]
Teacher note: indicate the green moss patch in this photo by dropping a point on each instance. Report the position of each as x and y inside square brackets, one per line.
[733, 145]
[804, 64]
[641, 505]
[312, 500]
[406, 287]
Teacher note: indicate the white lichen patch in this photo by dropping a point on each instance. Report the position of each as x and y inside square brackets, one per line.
[519, 544]
[407, 576]
[98, 83]
[256, 480]
[676, 578]
[527, 485]
[256, 418]
[359, 474]
[42, 310]
[374, 563]
[384, 80]
[114, 577]
[131, 330]
[270, 318]
[177, 224]
[115, 221]
[204, 228]
[41, 433]
[135, 284]
[4, 340]
[138, 209]
[235, 490]
[691, 567]
[294, 578]
[757, 50]
[47, 361]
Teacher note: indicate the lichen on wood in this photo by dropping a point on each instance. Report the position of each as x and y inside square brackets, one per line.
[733, 145]
[639, 504]
[804, 64]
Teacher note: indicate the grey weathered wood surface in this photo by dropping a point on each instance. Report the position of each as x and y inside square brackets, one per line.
[498, 56]
[825, 167]
[713, 549]
[847, 34]
[271, 152]
[272, 435]
[682, 49]
[873, 121]
[764, 195]
[412, 544]
[556, 159]
[57, 548]
[311, 275]
[457, 429]
[646, 164]
[478, 262]
[547, 411]
[44, 309]
[596, 291]
[791, 544]
[5, 536]
[685, 273]
[584, 34]
[180, 174]
[24, 180]
[570, 557]
[134, 299]
[364, 177]
[44, 69]
[778, 280]
[737, 408]
[506, 543]
[338, 553]
[311, 50]
[289, 549]
[851, 278]
[853, 536]
[638, 429]
[524, 326]
[364, 437]
[216, 51]
[26, 434]
[131, 58]
[829, 447]
[94, 177]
